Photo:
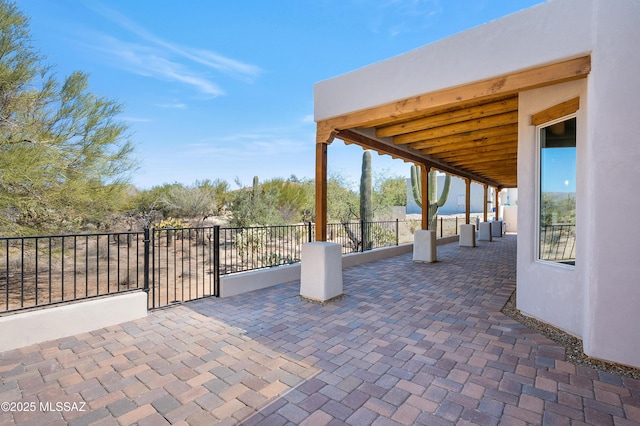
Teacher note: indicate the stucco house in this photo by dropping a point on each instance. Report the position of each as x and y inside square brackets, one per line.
[545, 100]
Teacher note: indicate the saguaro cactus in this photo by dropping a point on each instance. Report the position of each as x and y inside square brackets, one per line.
[256, 188]
[366, 204]
[433, 203]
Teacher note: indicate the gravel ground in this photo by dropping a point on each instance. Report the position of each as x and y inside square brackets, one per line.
[572, 344]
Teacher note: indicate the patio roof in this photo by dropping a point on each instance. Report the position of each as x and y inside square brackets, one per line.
[470, 131]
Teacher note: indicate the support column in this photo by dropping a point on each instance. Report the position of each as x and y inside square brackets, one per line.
[497, 203]
[486, 199]
[424, 177]
[321, 191]
[467, 202]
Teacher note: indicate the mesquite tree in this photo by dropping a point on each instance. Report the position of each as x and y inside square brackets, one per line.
[64, 157]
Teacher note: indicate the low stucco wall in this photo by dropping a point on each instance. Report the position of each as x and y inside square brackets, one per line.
[231, 285]
[27, 328]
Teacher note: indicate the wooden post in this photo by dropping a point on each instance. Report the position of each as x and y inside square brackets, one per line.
[497, 203]
[321, 191]
[486, 199]
[424, 176]
[467, 201]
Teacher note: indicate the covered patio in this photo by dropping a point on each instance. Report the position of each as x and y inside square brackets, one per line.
[489, 105]
[407, 344]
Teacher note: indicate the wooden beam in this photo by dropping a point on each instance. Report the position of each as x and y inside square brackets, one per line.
[556, 111]
[325, 133]
[465, 137]
[416, 106]
[467, 202]
[478, 145]
[321, 191]
[450, 117]
[486, 199]
[496, 204]
[479, 162]
[463, 127]
[382, 148]
[462, 155]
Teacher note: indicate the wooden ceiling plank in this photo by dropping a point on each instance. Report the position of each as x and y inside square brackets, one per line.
[476, 144]
[450, 117]
[466, 137]
[463, 127]
[488, 150]
[468, 156]
[478, 162]
[382, 148]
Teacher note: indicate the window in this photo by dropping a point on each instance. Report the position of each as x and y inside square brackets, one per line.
[557, 191]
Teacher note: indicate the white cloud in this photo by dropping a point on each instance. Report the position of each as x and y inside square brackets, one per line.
[173, 105]
[152, 56]
[136, 119]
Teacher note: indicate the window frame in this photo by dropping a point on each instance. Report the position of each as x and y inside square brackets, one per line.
[538, 198]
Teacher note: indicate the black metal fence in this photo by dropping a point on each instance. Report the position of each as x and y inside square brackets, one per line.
[558, 243]
[172, 265]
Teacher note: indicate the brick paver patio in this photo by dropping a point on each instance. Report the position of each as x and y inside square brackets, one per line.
[409, 344]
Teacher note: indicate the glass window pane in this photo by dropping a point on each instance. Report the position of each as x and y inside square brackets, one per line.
[558, 192]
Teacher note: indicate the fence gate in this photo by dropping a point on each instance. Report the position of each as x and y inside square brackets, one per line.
[184, 265]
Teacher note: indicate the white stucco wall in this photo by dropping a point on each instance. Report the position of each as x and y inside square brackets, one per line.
[599, 299]
[548, 291]
[526, 39]
[610, 242]
[30, 327]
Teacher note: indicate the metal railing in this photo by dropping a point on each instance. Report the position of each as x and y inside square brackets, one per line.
[558, 243]
[46, 270]
[172, 265]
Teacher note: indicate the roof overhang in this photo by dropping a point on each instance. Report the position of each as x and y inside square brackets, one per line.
[469, 130]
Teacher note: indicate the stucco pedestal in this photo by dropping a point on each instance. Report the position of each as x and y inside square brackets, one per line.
[467, 235]
[424, 246]
[484, 231]
[321, 271]
[496, 228]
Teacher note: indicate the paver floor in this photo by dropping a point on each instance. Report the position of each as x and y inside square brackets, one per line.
[409, 344]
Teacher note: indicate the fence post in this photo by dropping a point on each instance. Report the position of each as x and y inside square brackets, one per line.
[397, 233]
[362, 235]
[310, 231]
[216, 260]
[146, 261]
[441, 227]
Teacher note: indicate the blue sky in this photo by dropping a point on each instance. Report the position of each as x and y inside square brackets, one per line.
[224, 89]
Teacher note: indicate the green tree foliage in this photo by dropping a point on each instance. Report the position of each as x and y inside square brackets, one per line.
[274, 202]
[391, 191]
[250, 206]
[199, 201]
[558, 208]
[343, 203]
[64, 157]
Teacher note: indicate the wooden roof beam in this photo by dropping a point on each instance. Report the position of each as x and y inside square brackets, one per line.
[382, 148]
[416, 106]
[450, 117]
[477, 145]
[465, 137]
[463, 127]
